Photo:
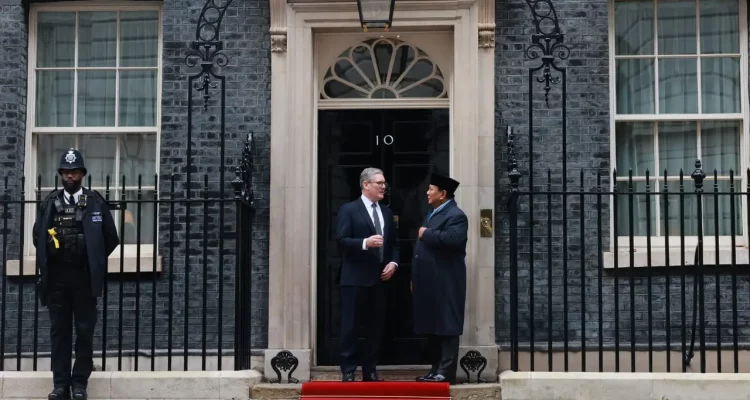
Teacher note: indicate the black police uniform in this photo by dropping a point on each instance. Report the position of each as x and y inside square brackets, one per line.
[73, 240]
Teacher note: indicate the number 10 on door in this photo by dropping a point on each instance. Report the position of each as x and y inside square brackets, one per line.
[387, 140]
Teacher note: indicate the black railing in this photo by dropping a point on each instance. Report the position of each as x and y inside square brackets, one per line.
[631, 265]
[177, 293]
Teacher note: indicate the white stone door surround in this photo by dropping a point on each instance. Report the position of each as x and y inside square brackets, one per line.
[297, 31]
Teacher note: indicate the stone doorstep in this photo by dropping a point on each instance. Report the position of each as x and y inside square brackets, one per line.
[387, 372]
[624, 386]
[215, 385]
[270, 391]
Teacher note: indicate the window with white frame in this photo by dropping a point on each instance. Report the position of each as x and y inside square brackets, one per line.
[94, 85]
[679, 73]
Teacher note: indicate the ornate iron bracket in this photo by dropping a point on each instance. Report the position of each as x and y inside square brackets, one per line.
[473, 361]
[243, 179]
[284, 361]
[207, 47]
[547, 43]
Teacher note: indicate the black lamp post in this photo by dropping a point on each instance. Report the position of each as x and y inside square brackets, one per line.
[376, 13]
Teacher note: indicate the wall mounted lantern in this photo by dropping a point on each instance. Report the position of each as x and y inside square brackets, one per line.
[376, 13]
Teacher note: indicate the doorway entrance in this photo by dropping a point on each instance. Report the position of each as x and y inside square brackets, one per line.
[408, 145]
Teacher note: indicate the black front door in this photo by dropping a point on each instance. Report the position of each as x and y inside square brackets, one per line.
[408, 145]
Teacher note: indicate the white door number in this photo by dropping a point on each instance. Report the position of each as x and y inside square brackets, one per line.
[387, 140]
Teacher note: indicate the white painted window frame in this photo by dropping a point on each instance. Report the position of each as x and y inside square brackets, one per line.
[658, 243]
[130, 252]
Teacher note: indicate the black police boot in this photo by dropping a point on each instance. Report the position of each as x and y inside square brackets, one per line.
[59, 393]
[79, 393]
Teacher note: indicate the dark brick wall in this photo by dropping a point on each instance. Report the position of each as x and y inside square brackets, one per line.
[584, 24]
[244, 31]
[13, 93]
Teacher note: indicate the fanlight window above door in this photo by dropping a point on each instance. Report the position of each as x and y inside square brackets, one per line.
[383, 69]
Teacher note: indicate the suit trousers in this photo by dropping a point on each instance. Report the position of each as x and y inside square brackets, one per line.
[70, 300]
[443, 351]
[362, 312]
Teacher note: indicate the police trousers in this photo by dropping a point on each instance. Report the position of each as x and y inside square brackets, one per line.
[70, 303]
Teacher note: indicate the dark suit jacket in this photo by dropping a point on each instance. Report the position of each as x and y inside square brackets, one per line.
[362, 267]
[99, 232]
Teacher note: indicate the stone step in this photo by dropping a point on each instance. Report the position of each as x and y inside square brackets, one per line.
[387, 372]
[270, 391]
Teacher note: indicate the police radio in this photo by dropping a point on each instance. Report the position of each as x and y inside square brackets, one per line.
[80, 206]
[58, 205]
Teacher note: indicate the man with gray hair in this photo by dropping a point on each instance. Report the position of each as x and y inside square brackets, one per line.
[367, 237]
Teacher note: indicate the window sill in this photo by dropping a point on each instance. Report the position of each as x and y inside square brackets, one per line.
[658, 257]
[129, 265]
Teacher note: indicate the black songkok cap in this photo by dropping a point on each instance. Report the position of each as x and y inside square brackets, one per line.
[444, 183]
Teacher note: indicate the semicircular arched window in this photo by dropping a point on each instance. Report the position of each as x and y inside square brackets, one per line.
[383, 69]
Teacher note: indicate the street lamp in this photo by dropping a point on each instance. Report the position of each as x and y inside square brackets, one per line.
[375, 13]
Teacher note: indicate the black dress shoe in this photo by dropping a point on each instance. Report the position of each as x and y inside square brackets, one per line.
[371, 377]
[79, 393]
[348, 377]
[423, 378]
[437, 378]
[59, 393]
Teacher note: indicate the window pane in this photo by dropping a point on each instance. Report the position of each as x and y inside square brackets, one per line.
[138, 155]
[678, 85]
[139, 38]
[138, 98]
[677, 25]
[97, 38]
[56, 39]
[99, 153]
[720, 85]
[720, 26]
[678, 147]
[96, 98]
[679, 205]
[54, 98]
[635, 148]
[50, 149]
[635, 86]
[634, 27]
[638, 206]
[720, 147]
[725, 215]
[128, 226]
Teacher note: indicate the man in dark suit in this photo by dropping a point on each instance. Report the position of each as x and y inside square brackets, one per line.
[367, 236]
[439, 279]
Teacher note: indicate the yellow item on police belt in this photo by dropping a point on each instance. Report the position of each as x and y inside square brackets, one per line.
[54, 237]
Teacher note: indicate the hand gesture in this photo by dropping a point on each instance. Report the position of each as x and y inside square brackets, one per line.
[388, 272]
[374, 241]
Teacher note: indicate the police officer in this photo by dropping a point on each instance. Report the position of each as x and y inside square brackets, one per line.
[73, 234]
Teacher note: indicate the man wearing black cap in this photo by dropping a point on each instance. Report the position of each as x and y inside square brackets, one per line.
[439, 279]
[74, 234]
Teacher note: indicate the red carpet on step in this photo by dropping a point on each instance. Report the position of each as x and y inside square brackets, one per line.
[330, 390]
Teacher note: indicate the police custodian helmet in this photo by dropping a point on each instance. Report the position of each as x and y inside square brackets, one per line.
[72, 159]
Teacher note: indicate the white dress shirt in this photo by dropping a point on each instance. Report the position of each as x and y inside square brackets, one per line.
[368, 206]
[75, 195]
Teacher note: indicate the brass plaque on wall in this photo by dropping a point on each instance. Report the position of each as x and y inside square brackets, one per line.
[485, 222]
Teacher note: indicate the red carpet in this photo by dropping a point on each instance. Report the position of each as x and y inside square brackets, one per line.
[329, 390]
